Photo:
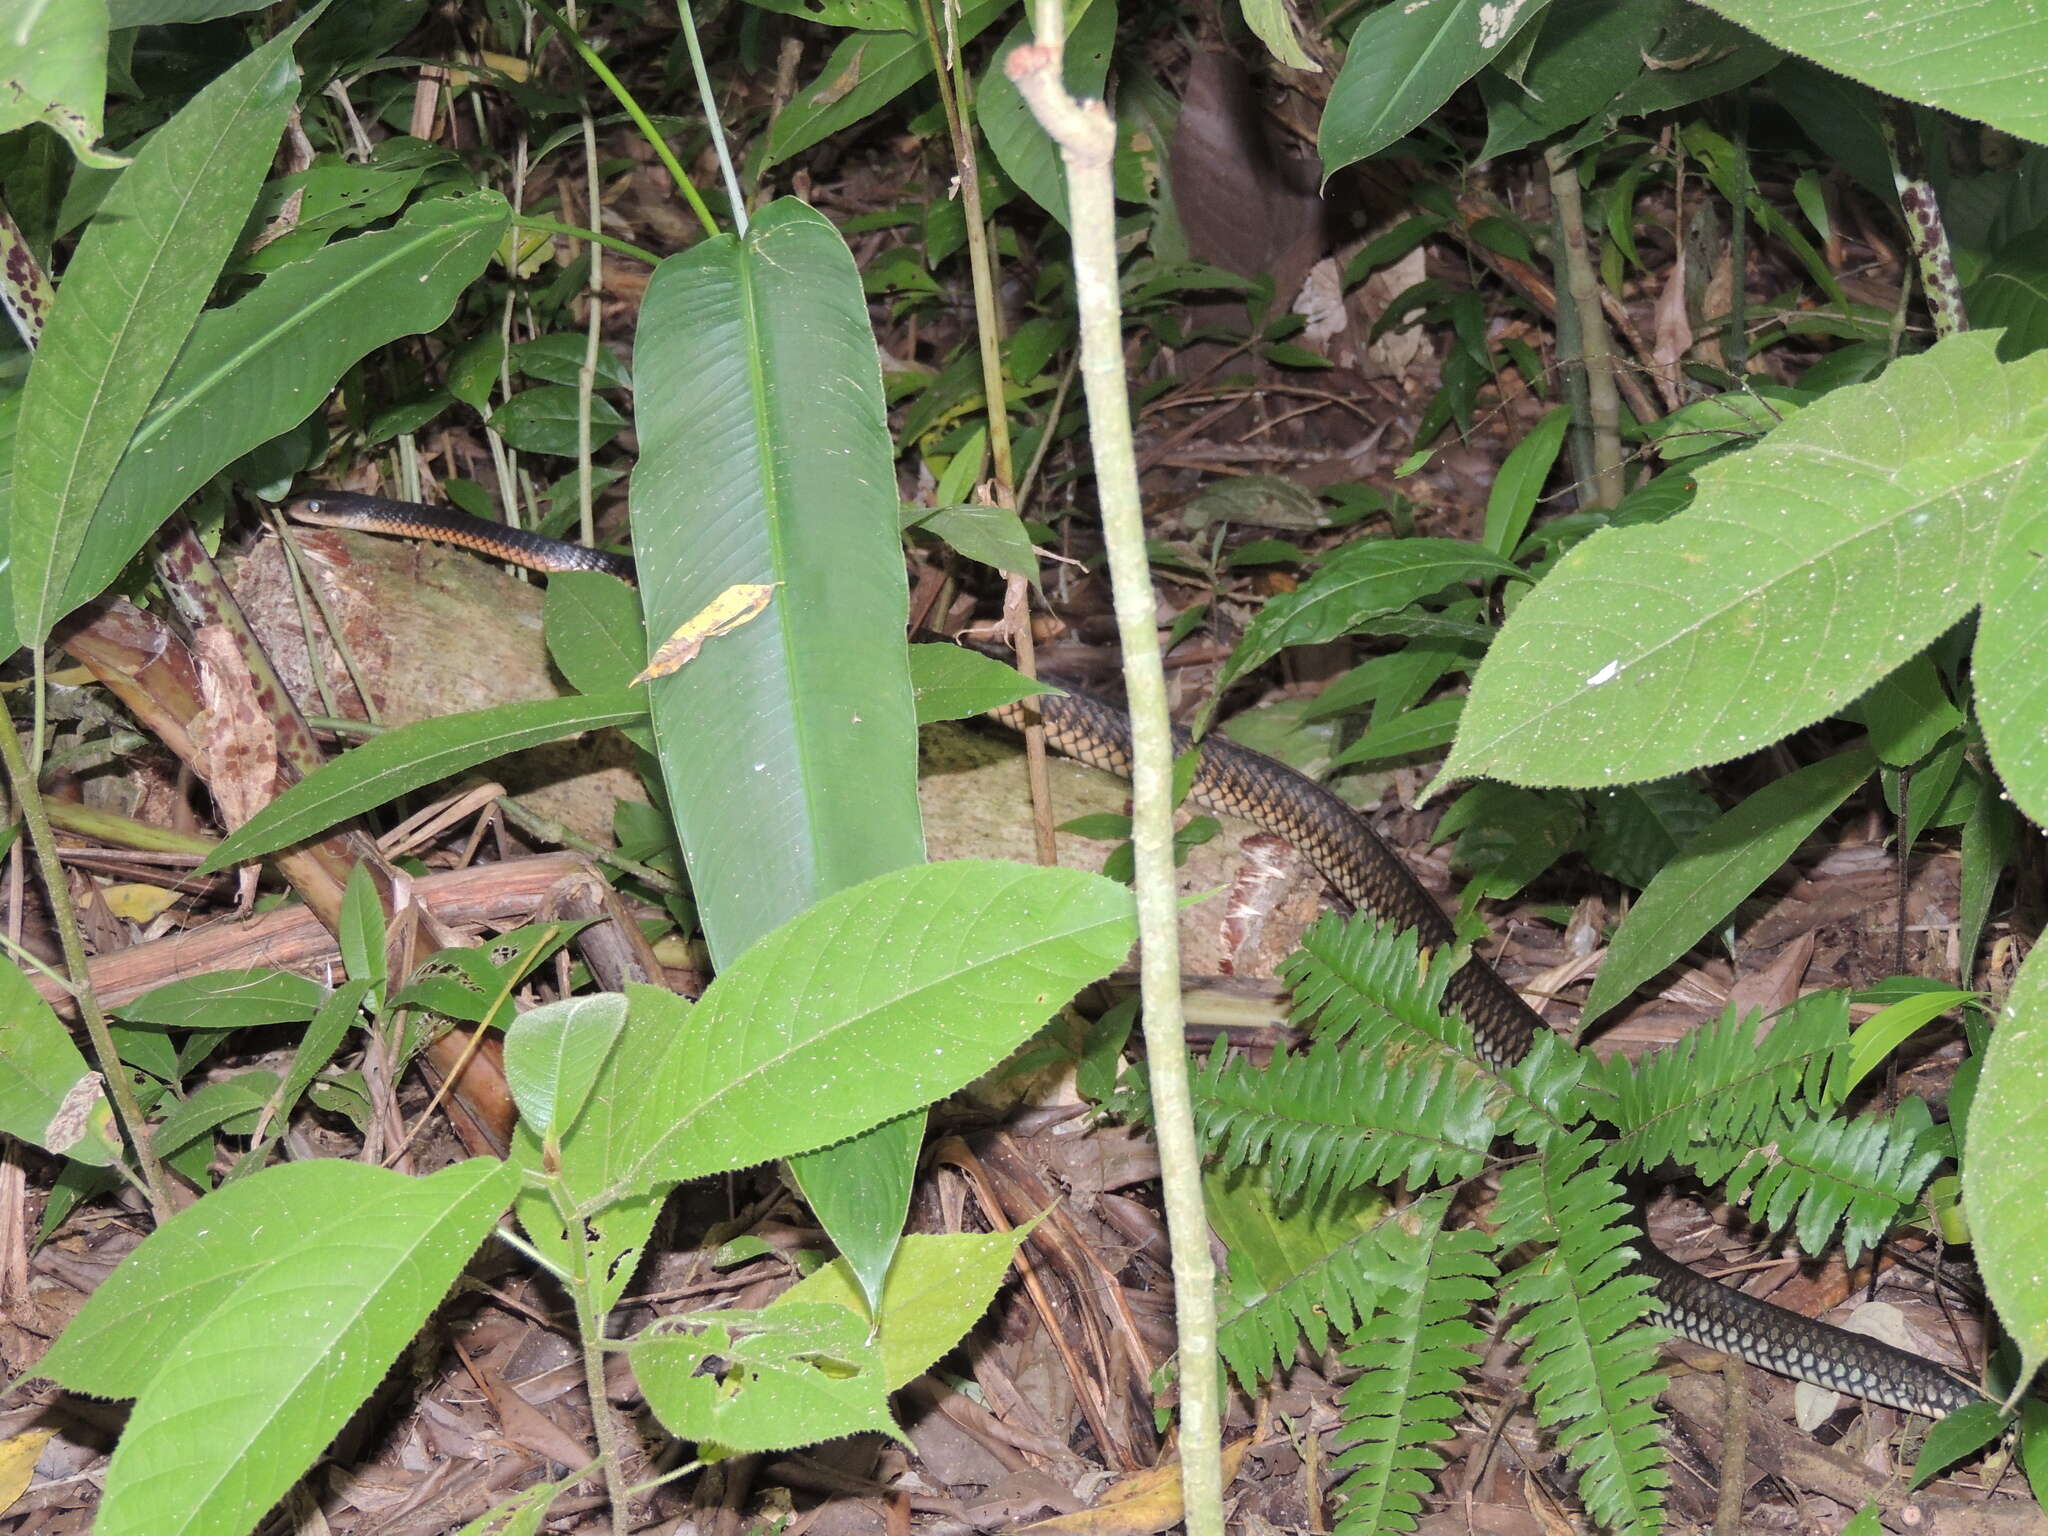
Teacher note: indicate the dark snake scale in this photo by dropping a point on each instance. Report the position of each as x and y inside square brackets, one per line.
[1366, 873]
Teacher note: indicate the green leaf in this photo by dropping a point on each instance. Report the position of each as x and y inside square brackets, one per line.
[245, 999]
[1424, 728]
[1637, 830]
[1986, 59]
[1585, 52]
[765, 457]
[1520, 482]
[129, 297]
[1908, 713]
[2008, 1139]
[1023, 149]
[1275, 28]
[251, 1325]
[260, 366]
[53, 69]
[1360, 584]
[1806, 569]
[951, 682]
[992, 536]
[1718, 868]
[938, 1285]
[866, 71]
[1403, 62]
[553, 1054]
[595, 634]
[874, 1002]
[788, 1376]
[48, 1095]
[411, 757]
[2010, 664]
[543, 420]
[362, 935]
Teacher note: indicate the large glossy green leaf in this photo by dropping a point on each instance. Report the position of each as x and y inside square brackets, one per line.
[48, 1095]
[1403, 62]
[262, 365]
[876, 1001]
[250, 1326]
[2008, 1142]
[789, 746]
[1985, 59]
[1806, 569]
[413, 756]
[1719, 866]
[129, 297]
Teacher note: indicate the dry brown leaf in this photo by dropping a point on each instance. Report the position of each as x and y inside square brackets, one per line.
[18, 1457]
[1141, 1505]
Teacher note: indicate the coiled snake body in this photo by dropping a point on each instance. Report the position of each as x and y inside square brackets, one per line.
[1368, 874]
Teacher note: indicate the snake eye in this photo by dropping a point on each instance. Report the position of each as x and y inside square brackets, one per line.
[310, 504]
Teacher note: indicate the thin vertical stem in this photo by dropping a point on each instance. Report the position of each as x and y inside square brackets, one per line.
[1086, 135]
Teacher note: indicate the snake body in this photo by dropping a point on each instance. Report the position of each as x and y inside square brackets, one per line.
[1368, 874]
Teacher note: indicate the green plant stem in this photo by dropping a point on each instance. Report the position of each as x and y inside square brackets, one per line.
[586, 374]
[595, 237]
[1086, 134]
[590, 1338]
[1581, 289]
[709, 102]
[29, 796]
[953, 99]
[624, 97]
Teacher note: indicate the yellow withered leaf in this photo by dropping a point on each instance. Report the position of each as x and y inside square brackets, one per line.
[735, 606]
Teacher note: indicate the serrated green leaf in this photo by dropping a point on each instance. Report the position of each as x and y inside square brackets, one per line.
[1806, 569]
[1987, 59]
[2008, 1138]
[553, 1054]
[251, 1325]
[874, 1002]
[787, 1376]
[938, 1286]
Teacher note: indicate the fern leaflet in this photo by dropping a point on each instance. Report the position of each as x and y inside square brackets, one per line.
[1589, 1354]
[1858, 1173]
[1326, 1121]
[1413, 1352]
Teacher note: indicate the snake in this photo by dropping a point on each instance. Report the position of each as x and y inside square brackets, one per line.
[1366, 873]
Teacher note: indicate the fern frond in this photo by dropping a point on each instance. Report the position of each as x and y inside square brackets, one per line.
[1360, 982]
[1335, 1288]
[1311, 1274]
[1721, 1083]
[1332, 1120]
[1414, 1352]
[1589, 1353]
[1861, 1174]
